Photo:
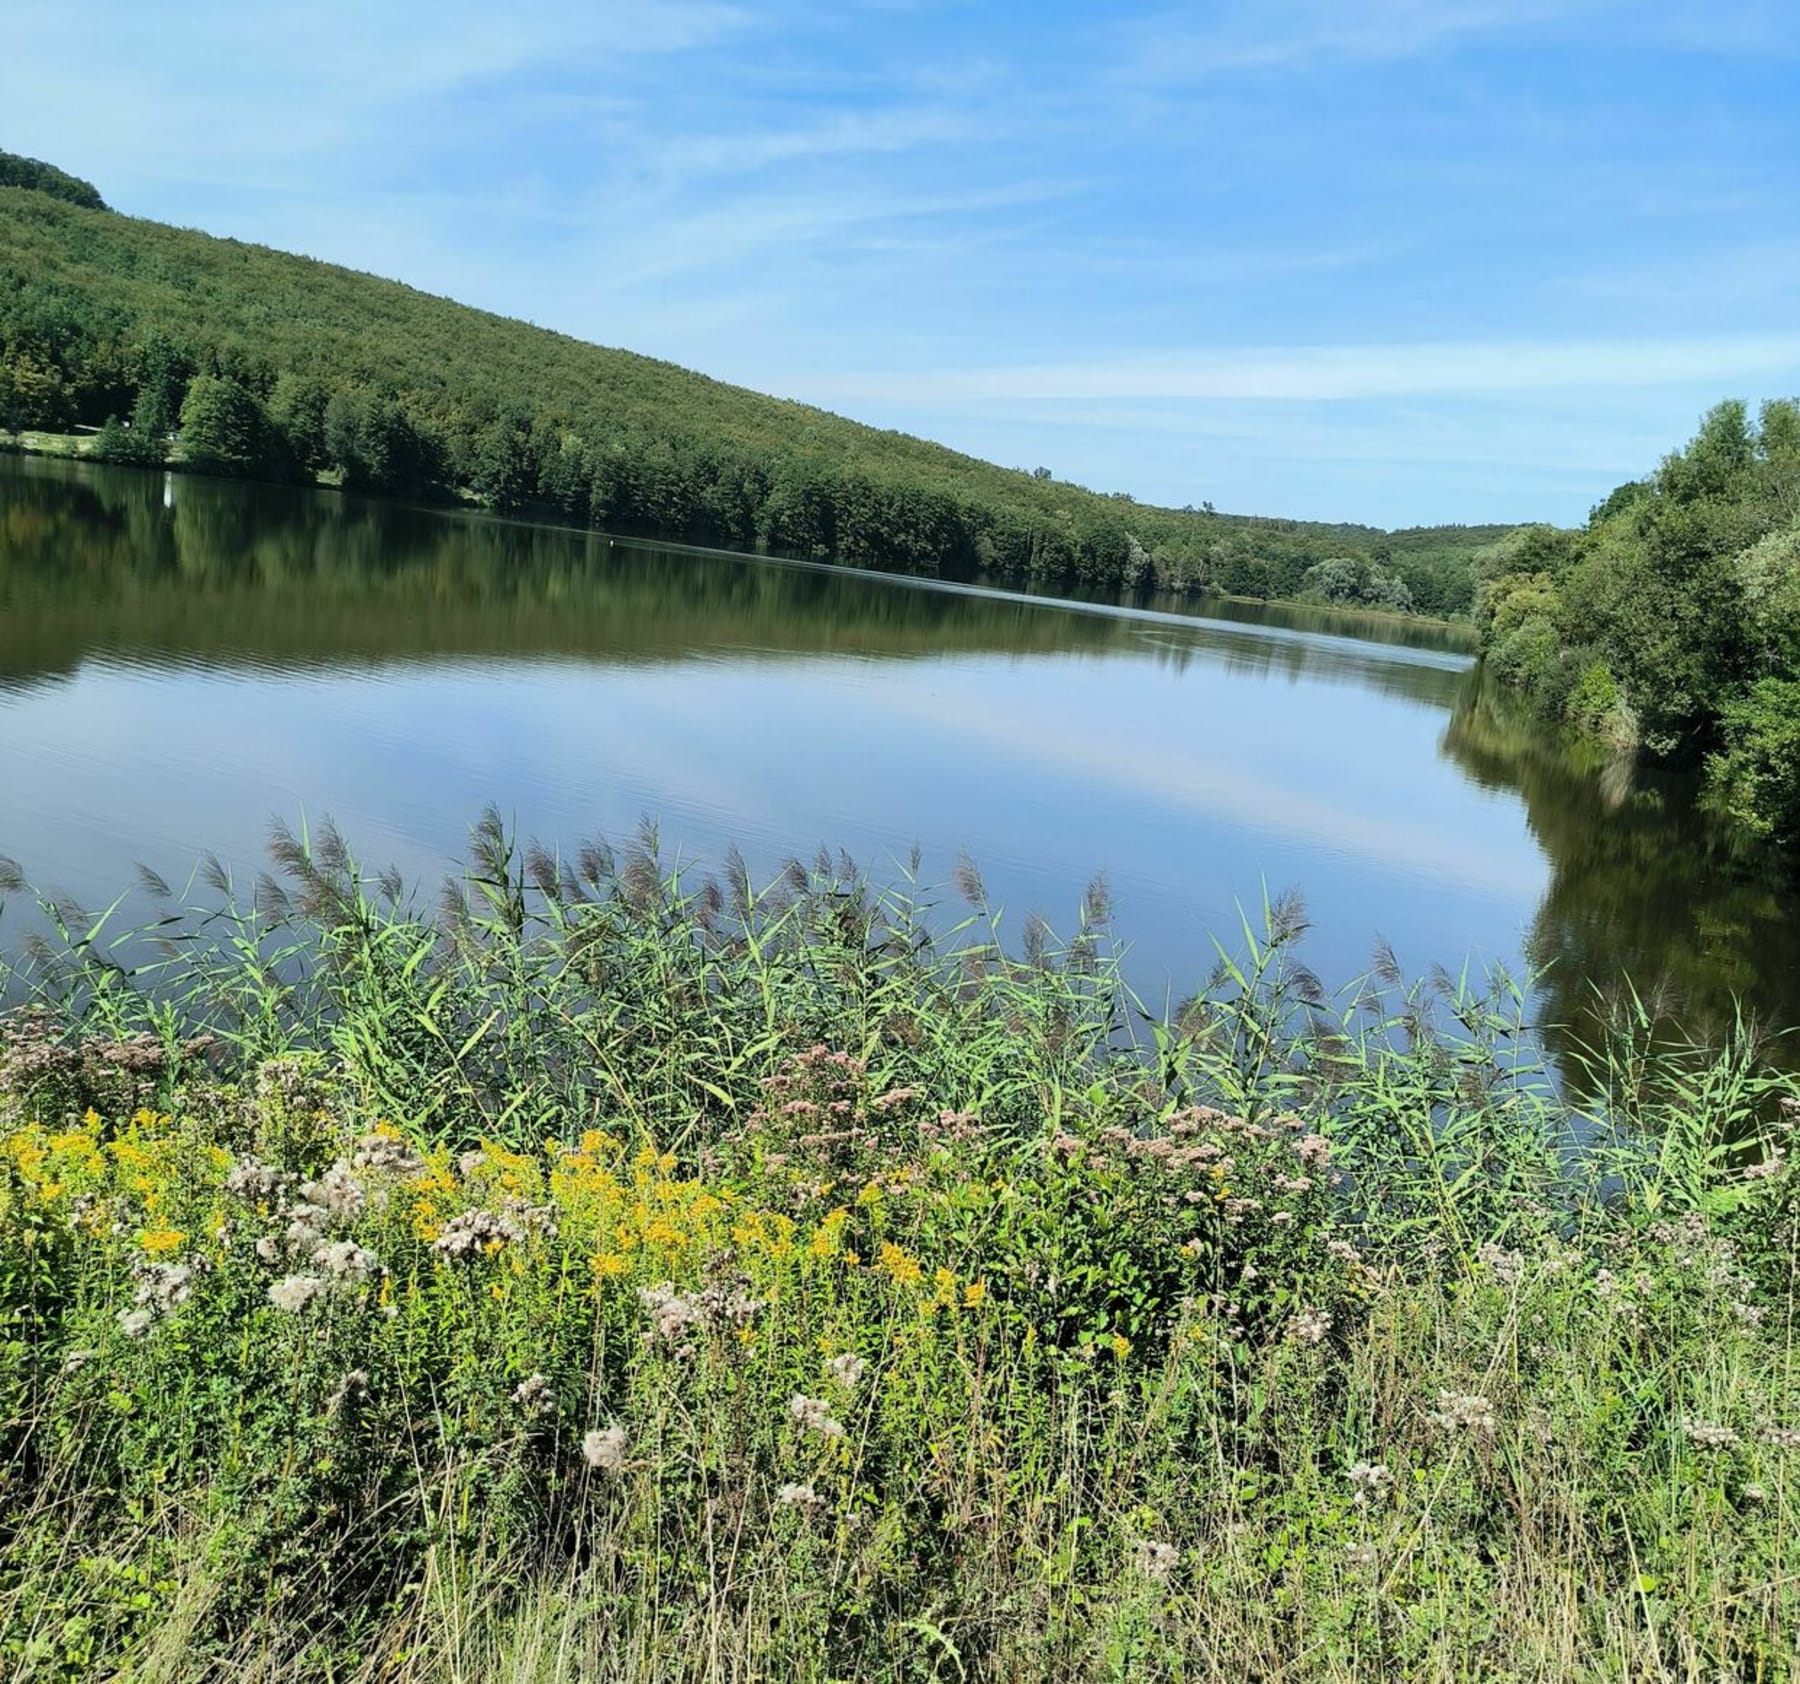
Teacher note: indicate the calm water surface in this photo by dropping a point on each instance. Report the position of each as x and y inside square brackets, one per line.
[182, 661]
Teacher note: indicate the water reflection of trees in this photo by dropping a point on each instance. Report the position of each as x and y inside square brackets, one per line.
[163, 568]
[1643, 886]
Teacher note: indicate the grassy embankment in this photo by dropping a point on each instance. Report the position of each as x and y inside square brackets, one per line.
[616, 1277]
[33, 443]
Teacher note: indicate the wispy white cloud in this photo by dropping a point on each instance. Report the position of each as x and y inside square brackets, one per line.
[843, 134]
[269, 88]
[1330, 373]
[722, 237]
[1586, 440]
[1273, 34]
[1739, 28]
[1761, 276]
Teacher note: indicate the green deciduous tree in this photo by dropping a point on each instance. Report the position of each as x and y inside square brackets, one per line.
[224, 429]
[1755, 776]
[372, 443]
[505, 472]
[37, 397]
[297, 406]
[116, 443]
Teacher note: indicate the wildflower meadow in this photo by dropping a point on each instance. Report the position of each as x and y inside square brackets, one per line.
[613, 1275]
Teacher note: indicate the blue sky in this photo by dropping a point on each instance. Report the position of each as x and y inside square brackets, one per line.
[1382, 260]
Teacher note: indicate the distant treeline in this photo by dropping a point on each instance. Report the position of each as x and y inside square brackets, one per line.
[240, 360]
[1671, 622]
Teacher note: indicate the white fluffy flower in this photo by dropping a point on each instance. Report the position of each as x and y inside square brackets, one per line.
[475, 1231]
[1311, 1326]
[814, 1416]
[293, 1293]
[1370, 1482]
[606, 1448]
[1709, 1435]
[1157, 1560]
[352, 1390]
[337, 1192]
[533, 1395]
[847, 1369]
[346, 1260]
[386, 1155]
[1464, 1412]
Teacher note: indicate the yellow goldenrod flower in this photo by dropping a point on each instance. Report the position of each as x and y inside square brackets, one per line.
[780, 1244]
[901, 1265]
[157, 1240]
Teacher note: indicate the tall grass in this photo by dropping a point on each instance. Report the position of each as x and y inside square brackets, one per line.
[618, 1272]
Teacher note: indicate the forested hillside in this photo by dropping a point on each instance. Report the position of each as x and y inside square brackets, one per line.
[241, 360]
[1672, 621]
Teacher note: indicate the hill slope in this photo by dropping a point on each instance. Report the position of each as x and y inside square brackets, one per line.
[271, 365]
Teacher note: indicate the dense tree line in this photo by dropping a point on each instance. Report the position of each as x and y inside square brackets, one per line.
[245, 361]
[1671, 622]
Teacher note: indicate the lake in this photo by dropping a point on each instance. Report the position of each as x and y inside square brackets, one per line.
[184, 660]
